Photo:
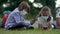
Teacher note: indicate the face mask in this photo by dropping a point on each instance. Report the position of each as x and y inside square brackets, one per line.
[45, 17]
[24, 12]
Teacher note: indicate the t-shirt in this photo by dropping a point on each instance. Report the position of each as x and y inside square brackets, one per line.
[43, 20]
[14, 17]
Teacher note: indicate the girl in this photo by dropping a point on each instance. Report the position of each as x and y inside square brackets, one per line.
[45, 18]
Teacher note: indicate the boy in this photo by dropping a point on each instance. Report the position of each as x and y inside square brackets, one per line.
[16, 18]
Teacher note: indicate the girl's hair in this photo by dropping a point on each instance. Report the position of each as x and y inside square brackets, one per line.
[24, 5]
[45, 8]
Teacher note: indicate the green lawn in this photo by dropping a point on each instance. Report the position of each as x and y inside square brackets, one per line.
[35, 31]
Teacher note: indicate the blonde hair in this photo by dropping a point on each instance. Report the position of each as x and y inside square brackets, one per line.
[45, 7]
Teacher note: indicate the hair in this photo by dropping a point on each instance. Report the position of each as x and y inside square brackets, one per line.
[24, 5]
[45, 8]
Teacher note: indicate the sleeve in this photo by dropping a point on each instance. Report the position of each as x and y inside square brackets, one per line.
[27, 22]
[17, 18]
[51, 21]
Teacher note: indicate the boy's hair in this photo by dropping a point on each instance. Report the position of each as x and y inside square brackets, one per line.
[24, 5]
[45, 8]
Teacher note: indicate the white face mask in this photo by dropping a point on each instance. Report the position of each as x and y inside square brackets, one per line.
[24, 12]
[45, 17]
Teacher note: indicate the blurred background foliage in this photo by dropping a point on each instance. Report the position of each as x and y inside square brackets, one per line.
[12, 4]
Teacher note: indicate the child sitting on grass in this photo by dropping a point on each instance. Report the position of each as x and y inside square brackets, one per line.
[30, 24]
[45, 19]
[5, 16]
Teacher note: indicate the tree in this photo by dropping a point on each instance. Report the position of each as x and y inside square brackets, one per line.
[34, 11]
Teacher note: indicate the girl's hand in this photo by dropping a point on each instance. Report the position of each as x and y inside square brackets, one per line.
[49, 18]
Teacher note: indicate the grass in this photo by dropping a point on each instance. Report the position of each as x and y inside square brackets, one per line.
[0, 19]
[35, 31]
